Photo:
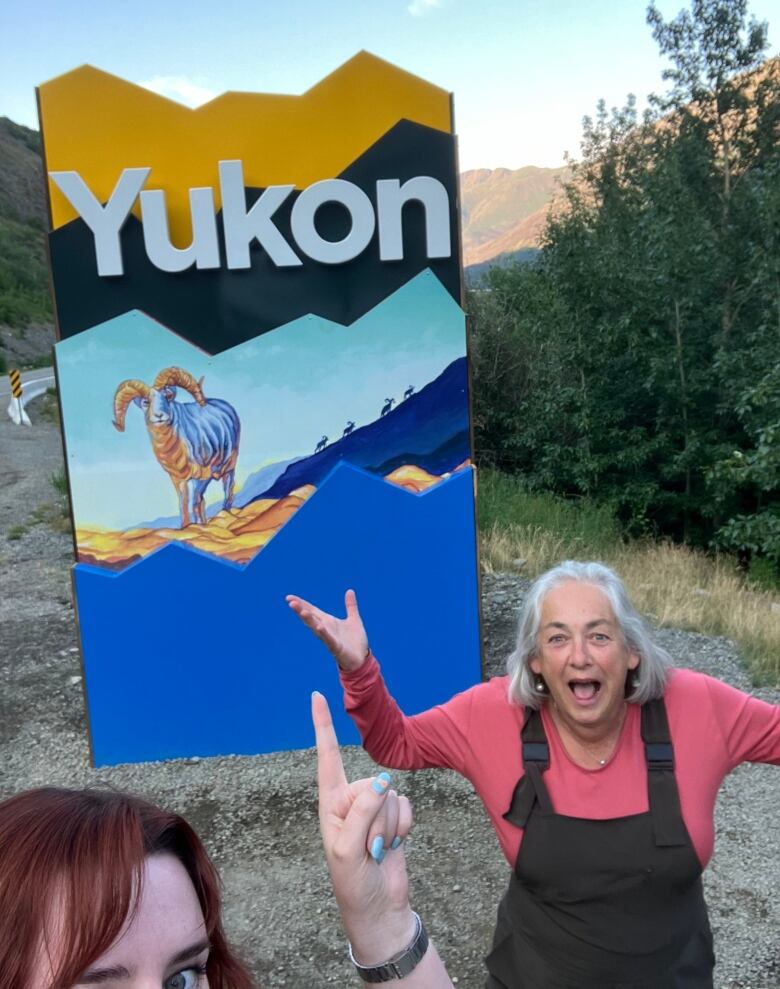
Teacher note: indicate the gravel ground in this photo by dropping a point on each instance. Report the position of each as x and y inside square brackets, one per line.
[258, 815]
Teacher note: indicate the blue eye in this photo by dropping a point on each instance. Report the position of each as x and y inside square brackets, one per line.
[188, 978]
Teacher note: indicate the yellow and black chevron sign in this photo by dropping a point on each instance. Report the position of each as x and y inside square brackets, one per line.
[16, 383]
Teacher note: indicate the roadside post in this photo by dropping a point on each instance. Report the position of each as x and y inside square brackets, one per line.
[263, 378]
[16, 410]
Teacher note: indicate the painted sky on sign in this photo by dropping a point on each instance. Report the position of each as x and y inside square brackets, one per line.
[523, 71]
[290, 387]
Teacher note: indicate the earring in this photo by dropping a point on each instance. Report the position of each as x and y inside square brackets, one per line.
[539, 685]
[633, 680]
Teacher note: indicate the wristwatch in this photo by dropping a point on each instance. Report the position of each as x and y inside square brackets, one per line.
[399, 965]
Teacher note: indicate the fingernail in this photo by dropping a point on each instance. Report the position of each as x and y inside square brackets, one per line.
[315, 693]
[381, 783]
[395, 843]
[378, 849]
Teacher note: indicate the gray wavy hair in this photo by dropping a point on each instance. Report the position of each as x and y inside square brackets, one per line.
[654, 660]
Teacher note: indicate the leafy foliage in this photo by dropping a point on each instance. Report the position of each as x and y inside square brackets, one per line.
[636, 361]
[24, 295]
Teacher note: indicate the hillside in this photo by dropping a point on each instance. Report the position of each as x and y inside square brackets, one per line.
[505, 210]
[26, 329]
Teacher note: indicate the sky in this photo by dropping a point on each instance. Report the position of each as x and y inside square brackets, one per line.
[276, 383]
[523, 72]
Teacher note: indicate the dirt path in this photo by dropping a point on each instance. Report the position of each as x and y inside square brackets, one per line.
[258, 815]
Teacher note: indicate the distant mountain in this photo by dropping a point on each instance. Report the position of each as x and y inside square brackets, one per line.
[429, 430]
[505, 210]
[473, 274]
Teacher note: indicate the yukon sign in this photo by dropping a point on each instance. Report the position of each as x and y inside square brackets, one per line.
[263, 376]
[242, 226]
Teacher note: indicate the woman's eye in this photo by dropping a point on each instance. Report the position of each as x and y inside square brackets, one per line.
[188, 978]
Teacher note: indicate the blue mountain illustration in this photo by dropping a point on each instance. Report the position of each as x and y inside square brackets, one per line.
[239, 653]
[258, 482]
[251, 489]
[429, 430]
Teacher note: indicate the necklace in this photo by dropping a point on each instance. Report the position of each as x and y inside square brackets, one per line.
[593, 756]
[568, 737]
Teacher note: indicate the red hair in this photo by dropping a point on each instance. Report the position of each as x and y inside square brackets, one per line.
[86, 849]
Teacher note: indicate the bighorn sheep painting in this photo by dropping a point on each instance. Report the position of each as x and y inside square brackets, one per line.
[194, 442]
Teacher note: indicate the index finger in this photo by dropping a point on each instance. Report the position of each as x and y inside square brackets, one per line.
[330, 769]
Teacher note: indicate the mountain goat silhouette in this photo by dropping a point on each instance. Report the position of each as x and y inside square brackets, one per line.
[194, 442]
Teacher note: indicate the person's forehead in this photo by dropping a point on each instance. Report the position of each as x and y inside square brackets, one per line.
[166, 919]
[574, 599]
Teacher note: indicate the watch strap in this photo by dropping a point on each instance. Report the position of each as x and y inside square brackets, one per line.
[400, 965]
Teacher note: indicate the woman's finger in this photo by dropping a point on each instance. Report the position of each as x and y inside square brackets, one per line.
[405, 820]
[384, 828]
[331, 778]
[307, 612]
[350, 602]
[352, 842]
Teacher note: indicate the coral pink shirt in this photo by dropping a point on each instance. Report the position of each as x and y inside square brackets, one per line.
[714, 728]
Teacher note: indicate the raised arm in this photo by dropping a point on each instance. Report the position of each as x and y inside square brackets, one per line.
[372, 891]
[435, 738]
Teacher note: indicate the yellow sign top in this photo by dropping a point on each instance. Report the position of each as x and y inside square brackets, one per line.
[97, 124]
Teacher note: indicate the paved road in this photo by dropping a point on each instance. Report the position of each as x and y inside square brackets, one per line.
[28, 377]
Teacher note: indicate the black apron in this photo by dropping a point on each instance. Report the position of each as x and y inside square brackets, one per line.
[612, 904]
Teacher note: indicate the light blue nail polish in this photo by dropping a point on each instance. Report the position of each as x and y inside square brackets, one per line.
[381, 783]
[395, 843]
[378, 849]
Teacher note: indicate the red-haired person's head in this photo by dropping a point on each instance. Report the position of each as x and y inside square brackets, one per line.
[103, 888]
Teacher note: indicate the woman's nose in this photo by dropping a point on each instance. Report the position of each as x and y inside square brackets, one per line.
[579, 651]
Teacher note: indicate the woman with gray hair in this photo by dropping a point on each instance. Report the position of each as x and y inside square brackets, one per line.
[599, 766]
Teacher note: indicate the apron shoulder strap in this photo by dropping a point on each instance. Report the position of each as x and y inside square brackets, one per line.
[663, 794]
[536, 760]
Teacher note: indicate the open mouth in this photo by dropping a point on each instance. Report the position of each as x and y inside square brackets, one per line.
[585, 690]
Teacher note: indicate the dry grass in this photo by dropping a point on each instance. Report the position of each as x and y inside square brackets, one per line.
[672, 585]
[502, 546]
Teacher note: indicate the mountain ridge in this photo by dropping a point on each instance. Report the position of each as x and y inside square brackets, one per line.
[504, 210]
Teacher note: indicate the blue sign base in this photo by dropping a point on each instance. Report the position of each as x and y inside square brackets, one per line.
[185, 654]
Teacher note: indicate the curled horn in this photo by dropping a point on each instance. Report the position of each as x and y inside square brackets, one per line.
[124, 395]
[183, 379]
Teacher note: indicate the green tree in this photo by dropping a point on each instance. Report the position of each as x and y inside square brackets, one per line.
[638, 340]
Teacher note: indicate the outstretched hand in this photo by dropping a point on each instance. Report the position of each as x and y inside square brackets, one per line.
[363, 825]
[345, 637]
